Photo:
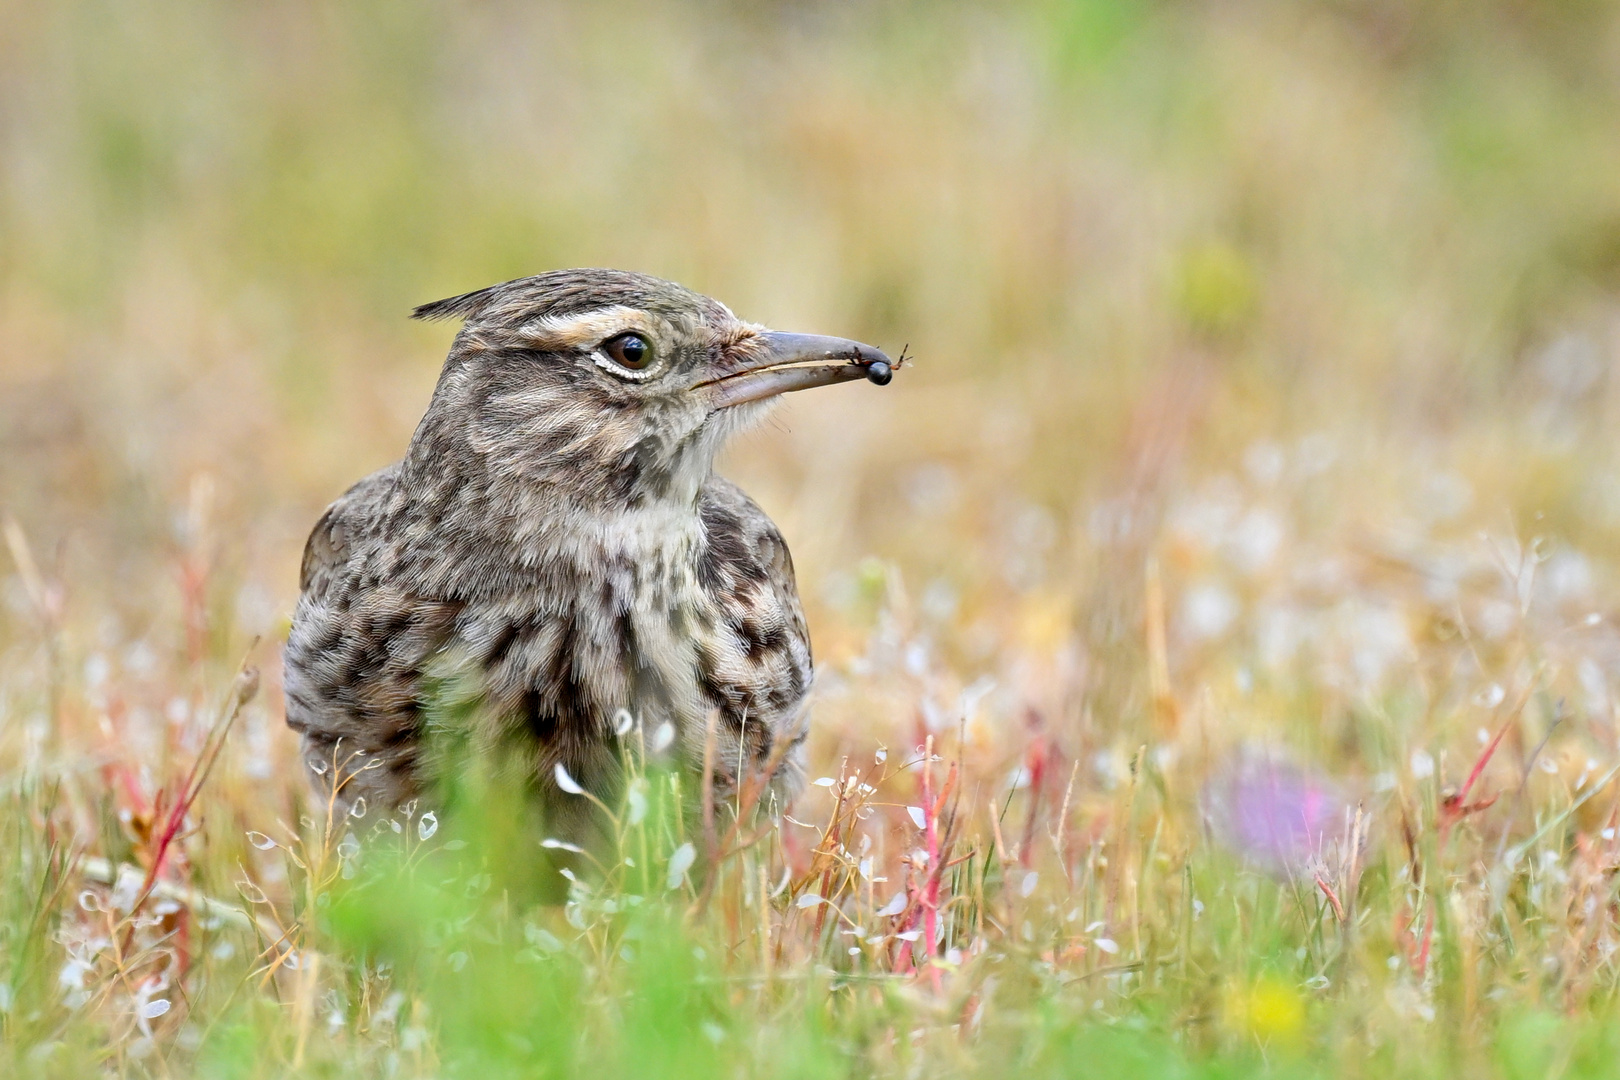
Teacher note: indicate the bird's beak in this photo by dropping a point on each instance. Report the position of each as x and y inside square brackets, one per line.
[775, 363]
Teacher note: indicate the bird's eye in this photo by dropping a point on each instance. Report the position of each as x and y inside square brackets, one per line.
[629, 350]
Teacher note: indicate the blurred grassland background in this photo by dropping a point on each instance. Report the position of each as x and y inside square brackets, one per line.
[1258, 458]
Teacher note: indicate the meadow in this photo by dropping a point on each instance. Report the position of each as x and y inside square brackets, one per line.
[1217, 625]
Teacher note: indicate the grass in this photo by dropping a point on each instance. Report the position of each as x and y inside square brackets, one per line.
[1215, 626]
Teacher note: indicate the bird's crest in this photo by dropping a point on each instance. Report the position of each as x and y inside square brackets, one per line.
[456, 307]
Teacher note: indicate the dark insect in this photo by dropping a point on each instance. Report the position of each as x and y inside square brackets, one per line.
[878, 372]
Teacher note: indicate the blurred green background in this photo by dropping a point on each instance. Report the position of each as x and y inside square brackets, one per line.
[1092, 222]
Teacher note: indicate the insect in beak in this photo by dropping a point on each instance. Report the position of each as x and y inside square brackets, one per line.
[777, 363]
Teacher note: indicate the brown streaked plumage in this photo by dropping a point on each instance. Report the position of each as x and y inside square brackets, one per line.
[555, 548]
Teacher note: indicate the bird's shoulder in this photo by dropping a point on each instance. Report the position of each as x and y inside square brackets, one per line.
[758, 669]
[351, 518]
[748, 572]
[743, 546]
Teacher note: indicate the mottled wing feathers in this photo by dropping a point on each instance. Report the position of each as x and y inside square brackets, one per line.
[324, 551]
[762, 680]
[354, 657]
[748, 569]
[352, 515]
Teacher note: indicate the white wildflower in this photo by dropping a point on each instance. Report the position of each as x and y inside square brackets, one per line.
[680, 861]
[566, 782]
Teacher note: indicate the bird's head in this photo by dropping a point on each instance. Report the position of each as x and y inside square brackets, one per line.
[619, 387]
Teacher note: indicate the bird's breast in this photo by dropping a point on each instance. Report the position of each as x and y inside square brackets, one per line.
[597, 627]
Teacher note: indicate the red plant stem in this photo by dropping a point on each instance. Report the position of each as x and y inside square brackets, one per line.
[1455, 808]
[1422, 964]
[830, 843]
[930, 898]
[246, 685]
[1332, 898]
[924, 898]
[1484, 759]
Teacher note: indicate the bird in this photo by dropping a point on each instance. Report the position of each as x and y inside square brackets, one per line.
[555, 560]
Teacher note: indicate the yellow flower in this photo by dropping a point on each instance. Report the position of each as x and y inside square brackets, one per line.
[1270, 1010]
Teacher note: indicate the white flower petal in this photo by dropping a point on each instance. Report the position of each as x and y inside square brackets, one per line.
[894, 906]
[917, 816]
[566, 782]
[561, 845]
[680, 861]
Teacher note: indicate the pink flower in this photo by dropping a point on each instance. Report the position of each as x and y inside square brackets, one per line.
[1272, 812]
